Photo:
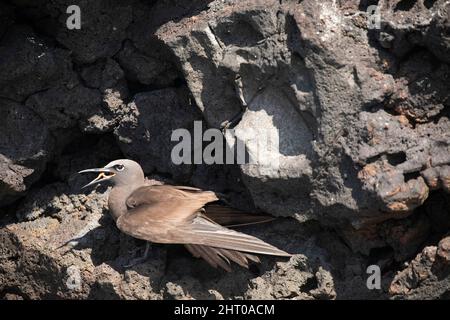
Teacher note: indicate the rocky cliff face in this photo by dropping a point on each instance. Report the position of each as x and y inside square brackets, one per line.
[360, 105]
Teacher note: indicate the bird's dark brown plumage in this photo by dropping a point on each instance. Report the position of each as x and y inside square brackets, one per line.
[177, 215]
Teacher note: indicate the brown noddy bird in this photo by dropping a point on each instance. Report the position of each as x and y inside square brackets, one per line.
[180, 215]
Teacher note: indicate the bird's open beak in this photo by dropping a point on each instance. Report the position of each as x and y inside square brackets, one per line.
[105, 174]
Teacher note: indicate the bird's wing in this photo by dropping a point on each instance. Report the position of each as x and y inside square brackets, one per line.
[203, 231]
[187, 188]
[164, 214]
[154, 210]
[168, 202]
[230, 217]
[179, 223]
[189, 197]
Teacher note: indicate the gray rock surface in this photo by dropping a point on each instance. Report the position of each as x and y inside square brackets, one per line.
[306, 83]
[152, 68]
[25, 145]
[30, 64]
[353, 121]
[145, 133]
[425, 277]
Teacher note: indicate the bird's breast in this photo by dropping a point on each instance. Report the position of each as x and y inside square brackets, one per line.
[117, 202]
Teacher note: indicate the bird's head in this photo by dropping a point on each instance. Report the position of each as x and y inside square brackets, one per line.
[119, 172]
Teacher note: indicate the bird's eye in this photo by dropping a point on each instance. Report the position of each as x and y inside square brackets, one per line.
[119, 167]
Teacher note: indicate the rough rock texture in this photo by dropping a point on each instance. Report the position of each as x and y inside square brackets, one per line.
[23, 154]
[345, 117]
[145, 134]
[425, 277]
[309, 84]
[31, 64]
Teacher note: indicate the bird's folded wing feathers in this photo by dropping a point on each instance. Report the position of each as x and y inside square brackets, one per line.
[230, 217]
[205, 232]
[167, 202]
[188, 188]
[164, 214]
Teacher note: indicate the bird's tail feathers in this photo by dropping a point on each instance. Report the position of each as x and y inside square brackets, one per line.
[219, 257]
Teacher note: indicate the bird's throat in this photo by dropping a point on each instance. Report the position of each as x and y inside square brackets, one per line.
[117, 200]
